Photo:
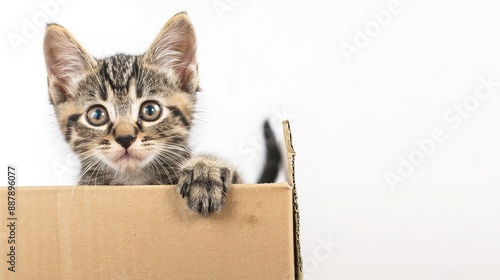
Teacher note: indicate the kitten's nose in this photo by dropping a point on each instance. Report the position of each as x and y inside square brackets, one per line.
[126, 140]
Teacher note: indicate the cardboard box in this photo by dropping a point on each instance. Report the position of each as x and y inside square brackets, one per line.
[148, 232]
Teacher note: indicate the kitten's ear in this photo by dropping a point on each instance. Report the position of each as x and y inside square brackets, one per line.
[174, 52]
[66, 61]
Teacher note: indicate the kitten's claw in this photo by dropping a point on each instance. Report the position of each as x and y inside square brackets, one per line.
[204, 181]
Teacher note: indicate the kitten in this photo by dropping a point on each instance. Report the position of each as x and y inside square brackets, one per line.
[128, 117]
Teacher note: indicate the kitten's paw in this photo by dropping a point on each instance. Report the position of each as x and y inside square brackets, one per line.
[204, 181]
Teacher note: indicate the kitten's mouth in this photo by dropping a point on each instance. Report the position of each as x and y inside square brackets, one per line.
[127, 156]
[128, 161]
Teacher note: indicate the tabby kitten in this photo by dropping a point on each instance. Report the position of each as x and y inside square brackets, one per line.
[128, 117]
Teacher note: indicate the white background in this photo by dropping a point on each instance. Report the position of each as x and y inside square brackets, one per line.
[354, 118]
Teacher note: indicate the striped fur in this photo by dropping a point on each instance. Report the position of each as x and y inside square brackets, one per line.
[128, 148]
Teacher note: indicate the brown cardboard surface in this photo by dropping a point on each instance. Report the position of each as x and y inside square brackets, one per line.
[148, 232]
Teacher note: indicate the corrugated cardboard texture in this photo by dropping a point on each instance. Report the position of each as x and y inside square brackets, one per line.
[290, 151]
[148, 232]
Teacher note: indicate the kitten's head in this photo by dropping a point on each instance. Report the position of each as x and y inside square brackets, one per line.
[125, 112]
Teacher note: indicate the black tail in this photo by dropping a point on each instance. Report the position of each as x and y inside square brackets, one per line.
[273, 156]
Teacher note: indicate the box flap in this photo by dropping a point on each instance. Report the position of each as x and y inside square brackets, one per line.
[296, 217]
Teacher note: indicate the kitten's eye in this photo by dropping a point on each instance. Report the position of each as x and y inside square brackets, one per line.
[97, 115]
[150, 111]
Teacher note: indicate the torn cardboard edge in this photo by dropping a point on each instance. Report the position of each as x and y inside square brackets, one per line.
[296, 217]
